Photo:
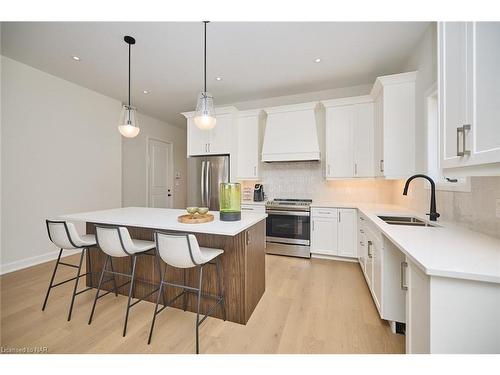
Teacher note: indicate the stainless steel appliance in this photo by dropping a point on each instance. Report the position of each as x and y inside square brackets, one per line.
[258, 193]
[205, 173]
[288, 227]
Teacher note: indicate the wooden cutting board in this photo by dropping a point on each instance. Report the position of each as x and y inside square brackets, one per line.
[195, 219]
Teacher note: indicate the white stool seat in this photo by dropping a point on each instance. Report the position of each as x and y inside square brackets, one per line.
[65, 236]
[141, 245]
[88, 240]
[208, 253]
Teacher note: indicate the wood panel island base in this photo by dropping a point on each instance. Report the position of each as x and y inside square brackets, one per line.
[243, 261]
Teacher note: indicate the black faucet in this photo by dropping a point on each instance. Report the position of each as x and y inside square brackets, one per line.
[433, 215]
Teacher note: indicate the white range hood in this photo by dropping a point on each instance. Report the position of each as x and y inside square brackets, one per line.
[291, 134]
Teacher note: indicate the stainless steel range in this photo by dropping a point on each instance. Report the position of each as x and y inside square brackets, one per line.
[288, 227]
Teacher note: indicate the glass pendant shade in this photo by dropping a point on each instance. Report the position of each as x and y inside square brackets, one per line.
[128, 125]
[205, 112]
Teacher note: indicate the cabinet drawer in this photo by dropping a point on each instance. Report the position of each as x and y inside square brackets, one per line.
[324, 212]
[253, 208]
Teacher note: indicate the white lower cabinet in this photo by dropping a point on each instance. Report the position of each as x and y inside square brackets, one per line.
[381, 263]
[333, 232]
[448, 315]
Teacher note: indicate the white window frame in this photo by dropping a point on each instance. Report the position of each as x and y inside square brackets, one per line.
[434, 170]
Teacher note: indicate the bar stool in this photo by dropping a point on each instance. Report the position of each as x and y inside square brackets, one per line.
[115, 241]
[183, 251]
[64, 235]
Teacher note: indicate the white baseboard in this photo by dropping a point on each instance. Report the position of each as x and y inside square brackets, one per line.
[33, 261]
[334, 257]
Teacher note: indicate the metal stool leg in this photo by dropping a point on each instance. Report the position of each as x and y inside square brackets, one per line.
[160, 292]
[220, 288]
[52, 280]
[114, 278]
[76, 285]
[198, 301]
[88, 268]
[134, 259]
[185, 292]
[98, 288]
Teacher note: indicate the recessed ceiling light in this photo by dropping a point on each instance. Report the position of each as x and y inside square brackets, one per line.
[317, 60]
[145, 92]
[76, 58]
[218, 78]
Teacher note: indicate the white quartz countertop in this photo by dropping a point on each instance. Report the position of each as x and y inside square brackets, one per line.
[166, 219]
[446, 250]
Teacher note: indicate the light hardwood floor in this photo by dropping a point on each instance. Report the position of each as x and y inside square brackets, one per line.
[310, 306]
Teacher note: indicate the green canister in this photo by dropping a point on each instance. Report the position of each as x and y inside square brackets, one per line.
[230, 201]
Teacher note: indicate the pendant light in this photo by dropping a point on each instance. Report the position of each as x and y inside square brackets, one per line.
[129, 126]
[205, 111]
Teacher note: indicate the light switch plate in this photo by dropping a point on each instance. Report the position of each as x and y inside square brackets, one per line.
[498, 207]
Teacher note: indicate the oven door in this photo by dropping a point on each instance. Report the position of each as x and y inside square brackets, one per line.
[291, 227]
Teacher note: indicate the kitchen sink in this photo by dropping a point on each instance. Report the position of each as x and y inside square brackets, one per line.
[405, 220]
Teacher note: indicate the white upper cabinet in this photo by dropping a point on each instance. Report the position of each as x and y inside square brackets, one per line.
[248, 144]
[216, 141]
[469, 93]
[338, 143]
[394, 116]
[363, 140]
[349, 137]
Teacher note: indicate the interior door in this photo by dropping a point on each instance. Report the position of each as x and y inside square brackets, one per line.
[160, 174]
[339, 152]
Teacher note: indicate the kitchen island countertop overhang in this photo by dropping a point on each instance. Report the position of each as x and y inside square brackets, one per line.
[243, 260]
[166, 219]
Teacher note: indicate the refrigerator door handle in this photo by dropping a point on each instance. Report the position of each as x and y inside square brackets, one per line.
[203, 183]
[207, 184]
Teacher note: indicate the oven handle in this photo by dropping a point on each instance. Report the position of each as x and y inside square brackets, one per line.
[288, 213]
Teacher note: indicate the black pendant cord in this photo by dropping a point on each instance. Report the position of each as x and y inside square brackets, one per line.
[129, 47]
[205, 59]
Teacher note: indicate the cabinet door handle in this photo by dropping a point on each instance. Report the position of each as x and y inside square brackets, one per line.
[361, 243]
[370, 249]
[361, 231]
[361, 218]
[248, 237]
[461, 130]
[355, 168]
[313, 225]
[381, 165]
[340, 217]
[404, 286]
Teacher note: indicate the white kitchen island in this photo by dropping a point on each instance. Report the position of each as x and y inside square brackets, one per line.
[243, 261]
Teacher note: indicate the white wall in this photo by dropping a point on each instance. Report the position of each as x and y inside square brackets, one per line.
[60, 153]
[341, 92]
[134, 152]
[423, 59]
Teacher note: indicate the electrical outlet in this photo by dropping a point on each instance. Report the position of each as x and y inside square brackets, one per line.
[498, 207]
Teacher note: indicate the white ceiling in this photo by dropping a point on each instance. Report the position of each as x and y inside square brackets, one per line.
[255, 59]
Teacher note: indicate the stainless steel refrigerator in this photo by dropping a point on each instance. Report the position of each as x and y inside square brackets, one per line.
[205, 173]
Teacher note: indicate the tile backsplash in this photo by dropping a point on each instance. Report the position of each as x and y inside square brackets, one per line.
[306, 180]
[475, 210]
